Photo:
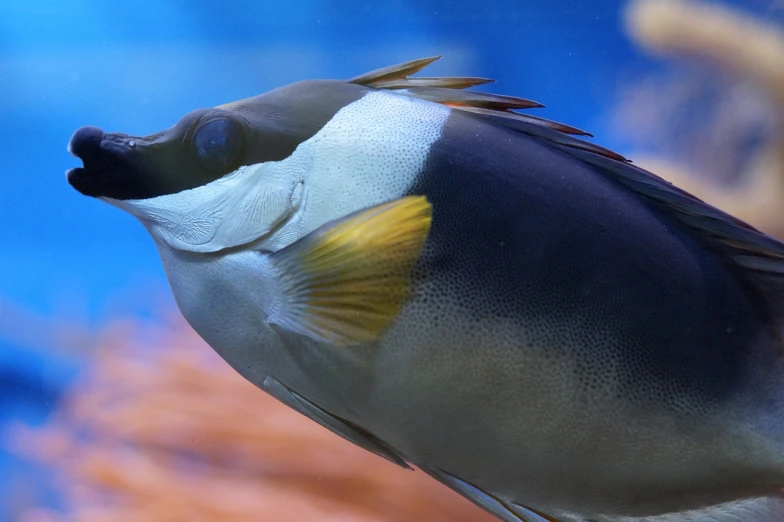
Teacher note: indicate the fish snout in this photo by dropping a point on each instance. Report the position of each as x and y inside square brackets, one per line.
[85, 141]
[100, 152]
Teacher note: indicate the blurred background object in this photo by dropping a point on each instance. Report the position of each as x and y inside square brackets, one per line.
[111, 408]
[715, 121]
[160, 428]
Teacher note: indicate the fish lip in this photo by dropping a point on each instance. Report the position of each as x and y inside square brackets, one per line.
[80, 178]
[85, 180]
[74, 175]
[77, 174]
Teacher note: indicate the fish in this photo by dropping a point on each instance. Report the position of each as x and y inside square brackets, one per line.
[466, 289]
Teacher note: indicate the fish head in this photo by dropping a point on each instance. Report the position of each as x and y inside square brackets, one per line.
[220, 178]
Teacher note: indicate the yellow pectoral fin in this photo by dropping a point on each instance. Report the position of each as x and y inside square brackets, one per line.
[345, 282]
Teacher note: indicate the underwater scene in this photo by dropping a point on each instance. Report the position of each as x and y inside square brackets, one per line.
[442, 261]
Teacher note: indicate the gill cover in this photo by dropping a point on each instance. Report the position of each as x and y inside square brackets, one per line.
[231, 211]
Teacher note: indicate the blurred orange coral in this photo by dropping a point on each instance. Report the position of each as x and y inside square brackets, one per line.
[746, 53]
[161, 429]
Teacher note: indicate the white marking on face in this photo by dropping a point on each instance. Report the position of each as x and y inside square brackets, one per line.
[233, 210]
[370, 152]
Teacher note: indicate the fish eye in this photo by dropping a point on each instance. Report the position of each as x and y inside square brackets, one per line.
[217, 142]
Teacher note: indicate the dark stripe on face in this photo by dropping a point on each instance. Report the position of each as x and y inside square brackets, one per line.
[206, 144]
[527, 234]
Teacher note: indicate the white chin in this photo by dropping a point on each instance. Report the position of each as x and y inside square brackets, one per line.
[234, 210]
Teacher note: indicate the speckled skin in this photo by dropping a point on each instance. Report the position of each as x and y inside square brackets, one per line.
[569, 346]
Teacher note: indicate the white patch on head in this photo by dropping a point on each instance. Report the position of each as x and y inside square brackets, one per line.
[370, 152]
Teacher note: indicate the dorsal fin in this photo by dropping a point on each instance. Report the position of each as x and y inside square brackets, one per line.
[511, 119]
[393, 72]
[492, 107]
[759, 258]
[457, 98]
[449, 83]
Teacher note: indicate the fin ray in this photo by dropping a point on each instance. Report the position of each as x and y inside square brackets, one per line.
[457, 98]
[345, 282]
[421, 81]
[510, 119]
[393, 72]
[507, 512]
[335, 424]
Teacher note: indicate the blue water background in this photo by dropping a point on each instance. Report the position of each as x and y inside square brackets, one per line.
[137, 67]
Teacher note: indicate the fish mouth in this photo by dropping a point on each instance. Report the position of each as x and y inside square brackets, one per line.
[103, 160]
[82, 179]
